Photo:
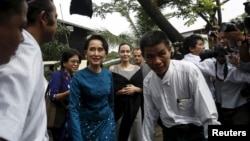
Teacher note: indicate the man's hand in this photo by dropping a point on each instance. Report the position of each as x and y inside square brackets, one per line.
[234, 59]
[236, 35]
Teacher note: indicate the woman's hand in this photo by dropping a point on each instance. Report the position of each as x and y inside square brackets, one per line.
[124, 91]
[130, 89]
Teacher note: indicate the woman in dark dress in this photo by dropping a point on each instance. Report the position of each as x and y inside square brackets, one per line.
[128, 96]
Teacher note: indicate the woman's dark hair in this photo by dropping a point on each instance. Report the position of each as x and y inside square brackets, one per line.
[121, 44]
[67, 54]
[152, 38]
[97, 37]
[35, 8]
[190, 41]
[9, 8]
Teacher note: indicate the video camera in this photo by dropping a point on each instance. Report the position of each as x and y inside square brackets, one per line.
[245, 25]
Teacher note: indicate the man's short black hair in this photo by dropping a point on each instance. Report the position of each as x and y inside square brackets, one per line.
[191, 41]
[35, 8]
[153, 38]
[9, 8]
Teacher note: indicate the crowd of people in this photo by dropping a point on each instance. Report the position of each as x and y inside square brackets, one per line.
[225, 73]
[183, 92]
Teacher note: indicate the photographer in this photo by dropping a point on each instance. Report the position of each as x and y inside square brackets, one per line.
[193, 45]
[242, 41]
[239, 34]
[229, 81]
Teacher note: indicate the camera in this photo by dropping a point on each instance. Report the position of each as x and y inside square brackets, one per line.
[228, 27]
[218, 51]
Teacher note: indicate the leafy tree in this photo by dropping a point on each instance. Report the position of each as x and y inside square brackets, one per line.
[189, 10]
[112, 55]
[114, 40]
[52, 50]
[138, 27]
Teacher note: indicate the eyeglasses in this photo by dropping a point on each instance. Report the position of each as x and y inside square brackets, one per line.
[75, 61]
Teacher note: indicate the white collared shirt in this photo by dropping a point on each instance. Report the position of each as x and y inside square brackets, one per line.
[196, 60]
[181, 97]
[227, 91]
[22, 99]
[192, 58]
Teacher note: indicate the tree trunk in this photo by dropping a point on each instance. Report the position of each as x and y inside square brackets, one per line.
[219, 12]
[156, 15]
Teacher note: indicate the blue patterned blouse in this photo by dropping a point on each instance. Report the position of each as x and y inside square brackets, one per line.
[91, 105]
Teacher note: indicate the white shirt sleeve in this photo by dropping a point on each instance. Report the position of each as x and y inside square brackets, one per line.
[151, 116]
[22, 99]
[204, 102]
[207, 67]
[14, 102]
[238, 76]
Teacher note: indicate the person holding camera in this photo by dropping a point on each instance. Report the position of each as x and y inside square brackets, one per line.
[176, 92]
[238, 33]
[229, 81]
[242, 42]
[193, 45]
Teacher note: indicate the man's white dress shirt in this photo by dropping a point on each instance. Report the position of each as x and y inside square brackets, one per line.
[22, 100]
[181, 97]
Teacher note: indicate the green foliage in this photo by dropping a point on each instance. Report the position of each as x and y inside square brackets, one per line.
[50, 69]
[143, 24]
[61, 30]
[110, 64]
[138, 27]
[53, 49]
[112, 55]
[188, 10]
[121, 6]
[114, 40]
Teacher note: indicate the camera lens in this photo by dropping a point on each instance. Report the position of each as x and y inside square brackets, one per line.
[226, 27]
